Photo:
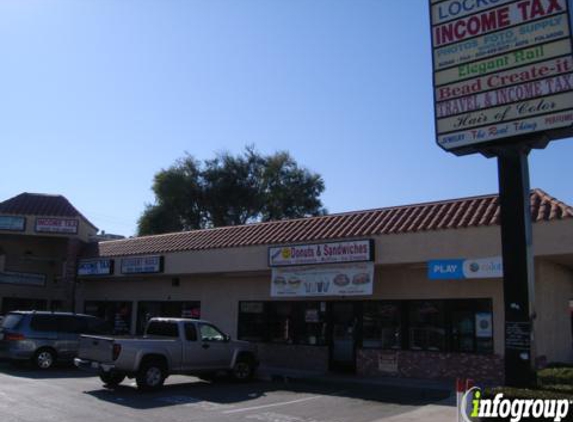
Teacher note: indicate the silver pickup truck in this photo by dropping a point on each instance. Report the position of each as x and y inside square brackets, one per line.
[169, 346]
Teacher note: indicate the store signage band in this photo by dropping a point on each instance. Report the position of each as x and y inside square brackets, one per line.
[322, 253]
[142, 265]
[87, 267]
[502, 69]
[355, 279]
[23, 279]
[57, 225]
[12, 223]
[459, 269]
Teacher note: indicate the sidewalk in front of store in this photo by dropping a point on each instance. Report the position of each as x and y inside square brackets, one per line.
[442, 410]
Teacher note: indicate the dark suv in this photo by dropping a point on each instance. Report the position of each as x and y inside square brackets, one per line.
[45, 337]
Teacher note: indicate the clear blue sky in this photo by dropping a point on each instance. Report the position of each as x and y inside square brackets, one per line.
[98, 95]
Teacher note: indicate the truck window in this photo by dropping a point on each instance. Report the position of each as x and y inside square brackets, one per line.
[210, 333]
[190, 332]
[163, 329]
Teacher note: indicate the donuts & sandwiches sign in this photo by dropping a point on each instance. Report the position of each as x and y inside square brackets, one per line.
[297, 269]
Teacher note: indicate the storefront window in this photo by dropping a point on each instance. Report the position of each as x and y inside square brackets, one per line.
[282, 320]
[252, 321]
[471, 326]
[168, 309]
[116, 313]
[381, 325]
[427, 329]
[463, 326]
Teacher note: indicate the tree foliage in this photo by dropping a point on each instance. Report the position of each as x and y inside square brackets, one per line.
[231, 190]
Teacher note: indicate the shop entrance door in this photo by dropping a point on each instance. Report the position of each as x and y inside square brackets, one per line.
[344, 330]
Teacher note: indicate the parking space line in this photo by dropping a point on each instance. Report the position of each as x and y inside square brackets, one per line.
[284, 403]
[264, 406]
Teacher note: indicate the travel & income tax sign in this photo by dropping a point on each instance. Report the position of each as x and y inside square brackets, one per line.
[502, 69]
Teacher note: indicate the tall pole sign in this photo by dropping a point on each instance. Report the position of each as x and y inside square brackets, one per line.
[503, 84]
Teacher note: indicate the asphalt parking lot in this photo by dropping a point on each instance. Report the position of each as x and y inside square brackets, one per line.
[69, 395]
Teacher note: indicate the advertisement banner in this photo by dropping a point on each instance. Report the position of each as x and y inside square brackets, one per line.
[57, 225]
[498, 69]
[506, 95]
[525, 56]
[452, 9]
[523, 37]
[12, 223]
[142, 265]
[87, 267]
[484, 325]
[322, 253]
[23, 279]
[518, 75]
[500, 17]
[333, 280]
[505, 113]
[459, 269]
[504, 130]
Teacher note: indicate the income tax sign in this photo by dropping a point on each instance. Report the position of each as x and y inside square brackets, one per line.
[503, 69]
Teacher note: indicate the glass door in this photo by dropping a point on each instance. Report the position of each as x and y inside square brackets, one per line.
[344, 322]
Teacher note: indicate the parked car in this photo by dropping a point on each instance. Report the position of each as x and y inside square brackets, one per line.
[45, 337]
[169, 346]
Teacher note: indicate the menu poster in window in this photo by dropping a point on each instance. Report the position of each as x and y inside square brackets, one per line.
[311, 315]
[121, 318]
[333, 280]
[252, 307]
[484, 326]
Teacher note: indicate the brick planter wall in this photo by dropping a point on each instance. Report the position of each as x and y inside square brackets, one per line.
[410, 364]
[294, 356]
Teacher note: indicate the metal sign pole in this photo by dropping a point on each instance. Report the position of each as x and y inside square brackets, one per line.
[518, 271]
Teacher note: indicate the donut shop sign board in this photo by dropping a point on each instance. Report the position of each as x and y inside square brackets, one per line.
[322, 253]
[503, 69]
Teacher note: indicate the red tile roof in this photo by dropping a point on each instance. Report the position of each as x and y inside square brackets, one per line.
[452, 214]
[42, 205]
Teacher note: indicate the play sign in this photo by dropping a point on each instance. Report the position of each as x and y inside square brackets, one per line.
[502, 69]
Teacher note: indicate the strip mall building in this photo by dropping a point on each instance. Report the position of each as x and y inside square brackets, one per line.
[413, 291]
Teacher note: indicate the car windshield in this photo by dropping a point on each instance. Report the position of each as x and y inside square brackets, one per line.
[11, 321]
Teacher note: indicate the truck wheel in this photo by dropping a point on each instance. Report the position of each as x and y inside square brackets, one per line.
[44, 358]
[111, 379]
[244, 370]
[151, 375]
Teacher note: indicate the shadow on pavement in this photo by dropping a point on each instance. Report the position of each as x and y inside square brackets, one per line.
[223, 393]
[27, 370]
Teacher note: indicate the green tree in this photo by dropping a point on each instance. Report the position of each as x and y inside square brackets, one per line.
[231, 190]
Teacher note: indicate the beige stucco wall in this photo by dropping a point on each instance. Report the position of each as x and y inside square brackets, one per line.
[554, 290]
